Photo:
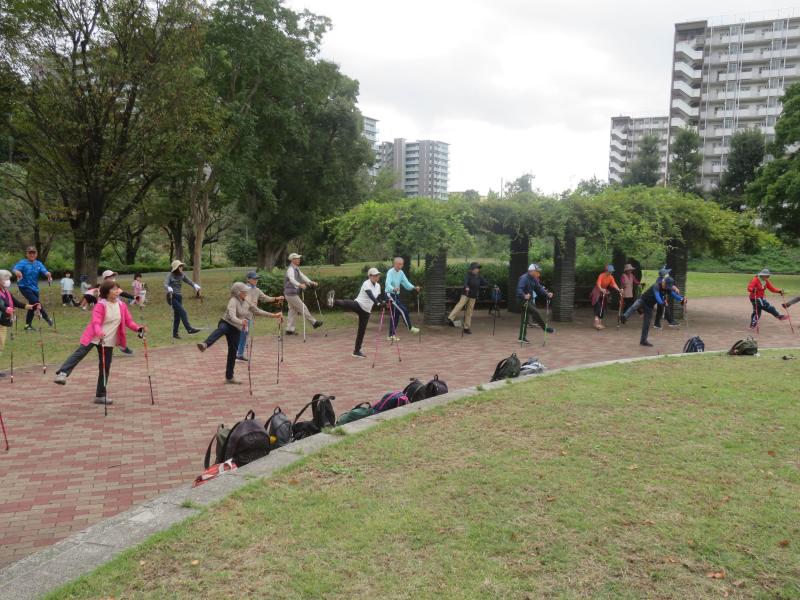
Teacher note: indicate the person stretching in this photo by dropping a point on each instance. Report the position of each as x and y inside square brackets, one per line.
[7, 305]
[368, 296]
[665, 310]
[756, 290]
[254, 296]
[656, 295]
[529, 287]
[396, 279]
[600, 294]
[473, 282]
[27, 272]
[172, 283]
[105, 330]
[294, 283]
[237, 313]
[630, 285]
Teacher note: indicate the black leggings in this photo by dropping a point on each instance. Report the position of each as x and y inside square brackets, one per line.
[363, 319]
[232, 336]
[79, 354]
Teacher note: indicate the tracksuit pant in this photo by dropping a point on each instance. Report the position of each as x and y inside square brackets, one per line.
[467, 302]
[533, 318]
[793, 301]
[32, 296]
[647, 308]
[179, 314]
[80, 353]
[297, 307]
[363, 319]
[398, 310]
[68, 299]
[232, 336]
[759, 305]
[243, 339]
[664, 310]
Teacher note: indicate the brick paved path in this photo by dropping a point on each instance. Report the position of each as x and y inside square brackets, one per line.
[69, 466]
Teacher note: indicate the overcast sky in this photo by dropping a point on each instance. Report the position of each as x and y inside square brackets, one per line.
[513, 86]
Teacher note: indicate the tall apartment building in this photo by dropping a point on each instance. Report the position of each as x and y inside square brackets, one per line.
[422, 167]
[626, 135]
[371, 133]
[729, 74]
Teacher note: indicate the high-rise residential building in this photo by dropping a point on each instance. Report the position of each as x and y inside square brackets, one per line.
[421, 167]
[371, 133]
[729, 74]
[626, 135]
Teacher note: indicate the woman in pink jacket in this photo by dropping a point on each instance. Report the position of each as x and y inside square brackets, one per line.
[105, 330]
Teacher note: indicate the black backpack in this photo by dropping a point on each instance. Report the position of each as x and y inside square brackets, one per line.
[247, 441]
[508, 368]
[748, 347]
[415, 391]
[279, 426]
[322, 415]
[694, 344]
[435, 387]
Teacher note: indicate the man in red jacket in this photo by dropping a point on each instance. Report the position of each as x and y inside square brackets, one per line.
[756, 289]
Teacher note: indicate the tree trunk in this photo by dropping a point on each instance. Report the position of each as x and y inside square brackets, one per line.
[517, 267]
[201, 215]
[564, 254]
[79, 252]
[269, 255]
[678, 261]
[435, 311]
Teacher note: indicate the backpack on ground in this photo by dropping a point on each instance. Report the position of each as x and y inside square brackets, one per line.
[279, 428]
[532, 366]
[359, 411]
[435, 387]
[220, 438]
[508, 368]
[694, 344]
[415, 390]
[389, 401]
[748, 347]
[322, 415]
[247, 441]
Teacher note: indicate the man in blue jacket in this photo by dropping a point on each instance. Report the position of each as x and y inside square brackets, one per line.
[655, 296]
[528, 288]
[396, 279]
[27, 271]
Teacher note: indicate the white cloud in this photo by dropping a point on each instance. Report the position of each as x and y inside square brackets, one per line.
[512, 85]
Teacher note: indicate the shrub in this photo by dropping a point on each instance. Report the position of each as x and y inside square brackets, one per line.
[241, 251]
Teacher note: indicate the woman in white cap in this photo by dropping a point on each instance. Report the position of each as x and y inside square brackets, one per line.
[368, 296]
[294, 283]
[756, 291]
[173, 282]
[237, 313]
[7, 305]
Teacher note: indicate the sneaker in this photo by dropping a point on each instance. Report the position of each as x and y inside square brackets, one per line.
[331, 297]
[233, 382]
[393, 338]
[61, 379]
[83, 308]
[451, 322]
[657, 327]
[50, 322]
[242, 358]
[467, 331]
[176, 337]
[524, 341]
[28, 327]
[359, 354]
[784, 317]
[645, 343]
[317, 324]
[290, 332]
[192, 331]
[2, 374]
[103, 400]
[202, 346]
[623, 320]
[414, 330]
[549, 330]
[674, 324]
[126, 351]
[784, 305]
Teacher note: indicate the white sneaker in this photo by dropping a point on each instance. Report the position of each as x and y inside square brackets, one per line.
[393, 338]
[61, 379]
[414, 330]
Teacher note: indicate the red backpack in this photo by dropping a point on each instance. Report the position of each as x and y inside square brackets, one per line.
[389, 401]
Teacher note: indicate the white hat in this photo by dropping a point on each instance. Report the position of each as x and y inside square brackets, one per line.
[764, 273]
[175, 264]
[108, 273]
[294, 255]
[373, 271]
[534, 267]
[5, 275]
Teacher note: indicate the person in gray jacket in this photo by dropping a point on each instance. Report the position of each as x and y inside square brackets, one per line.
[237, 313]
[294, 284]
[173, 283]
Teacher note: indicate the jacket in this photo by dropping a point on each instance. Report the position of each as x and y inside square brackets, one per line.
[530, 285]
[6, 300]
[174, 281]
[238, 311]
[31, 271]
[95, 327]
[396, 279]
[756, 289]
[655, 295]
[604, 281]
[474, 283]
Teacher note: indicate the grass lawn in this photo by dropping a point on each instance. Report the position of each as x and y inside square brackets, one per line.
[675, 478]
[705, 285]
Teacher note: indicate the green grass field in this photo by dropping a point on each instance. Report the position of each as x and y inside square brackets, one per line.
[705, 285]
[675, 478]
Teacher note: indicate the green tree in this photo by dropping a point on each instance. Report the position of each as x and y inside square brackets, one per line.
[644, 169]
[685, 161]
[523, 183]
[745, 157]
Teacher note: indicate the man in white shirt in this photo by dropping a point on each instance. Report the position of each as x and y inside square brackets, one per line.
[368, 296]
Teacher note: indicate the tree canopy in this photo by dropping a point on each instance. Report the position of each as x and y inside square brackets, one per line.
[685, 160]
[644, 169]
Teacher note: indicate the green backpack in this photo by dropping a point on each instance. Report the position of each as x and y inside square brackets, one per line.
[359, 411]
[748, 347]
[508, 368]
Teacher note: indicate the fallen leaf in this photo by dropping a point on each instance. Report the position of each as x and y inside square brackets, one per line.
[738, 583]
[671, 560]
[563, 453]
[690, 543]
[550, 498]
[647, 522]
[293, 482]
[771, 452]
[783, 543]
[141, 563]
[632, 467]
[195, 562]
[716, 575]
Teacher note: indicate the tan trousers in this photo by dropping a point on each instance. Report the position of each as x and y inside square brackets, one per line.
[470, 304]
[297, 307]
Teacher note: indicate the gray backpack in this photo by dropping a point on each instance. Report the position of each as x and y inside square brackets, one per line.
[279, 426]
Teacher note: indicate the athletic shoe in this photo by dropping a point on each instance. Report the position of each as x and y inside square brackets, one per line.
[550, 330]
[233, 382]
[61, 379]
[393, 338]
[103, 400]
[784, 317]
[674, 324]
[414, 330]
[317, 324]
[83, 308]
[451, 322]
[50, 322]
[242, 358]
[2, 374]
[467, 331]
[657, 327]
[28, 327]
[192, 331]
[623, 319]
[359, 354]
[331, 296]
[176, 337]
[290, 332]
[645, 343]
[784, 305]
[126, 351]
[202, 346]
[524, 341]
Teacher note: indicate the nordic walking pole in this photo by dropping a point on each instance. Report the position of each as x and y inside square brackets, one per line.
[303, 314]
[546, 321]
[105, 378]
[50, 298]
[5, 435]
[41, 340]
[619, 313]
[602, 309]
[494, 313]
[418, 314]
[11, 346]
[147, 364]
[319, 308]
[524, 327]
[280, 344]
[378, 337]
[391, 316]
[249, 356]
[783, 301]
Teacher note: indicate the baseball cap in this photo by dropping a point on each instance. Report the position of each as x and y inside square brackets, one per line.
[373, 271]
[610, 268]
[252, 275]
[664, 271]
[764, 273]
[474, 265]
[534, 267]
[108, 273]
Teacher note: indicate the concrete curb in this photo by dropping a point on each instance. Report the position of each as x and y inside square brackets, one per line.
[83, 552]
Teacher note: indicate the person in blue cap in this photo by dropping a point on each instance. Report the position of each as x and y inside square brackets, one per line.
[254, 296]
[529, 287]
[664, 310]
[656, 295]
[27, 271]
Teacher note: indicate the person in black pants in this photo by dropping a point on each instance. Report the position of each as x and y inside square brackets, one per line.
[173, 282]
[655, 295]
[368, 296]
[238, 311]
